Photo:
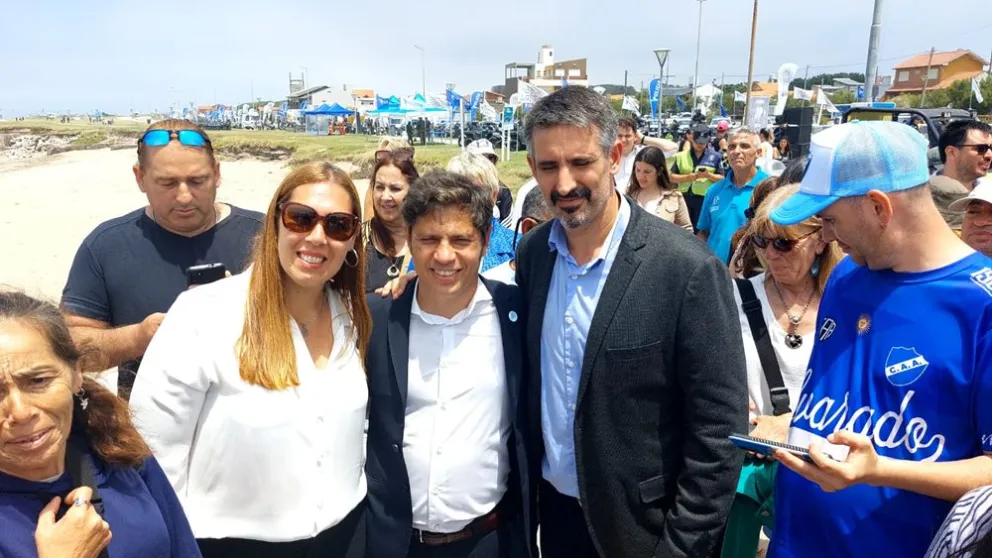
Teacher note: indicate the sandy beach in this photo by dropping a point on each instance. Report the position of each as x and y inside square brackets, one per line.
[51, 204]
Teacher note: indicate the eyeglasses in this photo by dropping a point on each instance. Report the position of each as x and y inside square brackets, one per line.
[980, 148]
[398, 154]
[158, 138]
[779, 244]
[299, 218]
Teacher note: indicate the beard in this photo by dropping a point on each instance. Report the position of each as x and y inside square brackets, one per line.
[578, 217]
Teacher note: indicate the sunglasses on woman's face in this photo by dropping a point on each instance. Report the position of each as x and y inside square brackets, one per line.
[398, 154]
[299, 218]
[779, 244]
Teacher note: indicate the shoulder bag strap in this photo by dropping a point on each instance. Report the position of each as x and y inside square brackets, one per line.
[766, 353]
[81, 470]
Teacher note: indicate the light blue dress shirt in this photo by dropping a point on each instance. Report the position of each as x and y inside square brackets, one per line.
[572, 299]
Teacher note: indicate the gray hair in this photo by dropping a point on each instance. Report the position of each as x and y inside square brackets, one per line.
[742, 131]
[536, 206]
[439, 189]
[573, 106]
[476, 167]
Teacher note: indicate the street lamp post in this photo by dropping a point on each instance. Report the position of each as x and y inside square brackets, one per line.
[423, 70]
[699, 38]
[662, 54]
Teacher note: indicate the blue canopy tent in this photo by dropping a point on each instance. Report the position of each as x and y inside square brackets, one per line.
[318, 120]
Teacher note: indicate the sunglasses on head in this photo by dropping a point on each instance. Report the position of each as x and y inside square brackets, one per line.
[158, 138]
[299, 218]
[398, 154]
[779, 244]
[980, 148]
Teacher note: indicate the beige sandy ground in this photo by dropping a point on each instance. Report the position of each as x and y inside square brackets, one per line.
[48, 206]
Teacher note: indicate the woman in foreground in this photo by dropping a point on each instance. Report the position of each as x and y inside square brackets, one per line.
[76, 479]
[252, 394]
[778, 336]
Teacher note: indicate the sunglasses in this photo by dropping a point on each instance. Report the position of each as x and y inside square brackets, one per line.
[158, 138]
[398, 154]
[779, 244]
[299, 218]
[980, 148]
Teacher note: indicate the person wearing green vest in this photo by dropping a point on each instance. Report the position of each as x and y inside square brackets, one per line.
[695, 169]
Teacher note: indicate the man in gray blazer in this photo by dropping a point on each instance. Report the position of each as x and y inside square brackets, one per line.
[633, 326]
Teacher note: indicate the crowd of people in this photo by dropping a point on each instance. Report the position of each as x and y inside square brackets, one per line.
[447, 374]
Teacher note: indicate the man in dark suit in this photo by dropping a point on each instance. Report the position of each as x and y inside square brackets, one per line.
[633, 327]
[447, 463]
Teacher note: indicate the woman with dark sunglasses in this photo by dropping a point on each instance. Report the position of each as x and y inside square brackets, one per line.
[385, 233]
[252, 393]
[797, 265]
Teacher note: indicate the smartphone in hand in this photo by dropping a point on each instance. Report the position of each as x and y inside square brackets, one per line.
[204, 274]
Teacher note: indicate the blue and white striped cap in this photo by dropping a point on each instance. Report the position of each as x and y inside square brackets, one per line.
[853, 159]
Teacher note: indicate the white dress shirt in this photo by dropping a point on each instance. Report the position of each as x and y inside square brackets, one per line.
[247, 462]
[457, 415]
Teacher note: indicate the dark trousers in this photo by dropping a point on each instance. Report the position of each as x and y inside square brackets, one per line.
[694, 203]
[507, 541]
[344, 540]
[563, 527]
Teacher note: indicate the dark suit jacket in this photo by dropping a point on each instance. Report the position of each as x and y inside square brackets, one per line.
[663, 384]
[390, 512]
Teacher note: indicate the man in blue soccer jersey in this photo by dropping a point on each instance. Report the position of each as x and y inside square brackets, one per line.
[899, 384]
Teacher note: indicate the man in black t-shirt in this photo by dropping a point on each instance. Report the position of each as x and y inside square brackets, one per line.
[129, 270]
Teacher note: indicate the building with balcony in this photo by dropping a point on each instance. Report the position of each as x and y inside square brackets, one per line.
[545, 73]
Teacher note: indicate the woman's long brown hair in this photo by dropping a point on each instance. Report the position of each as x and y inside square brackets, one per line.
[106, 422]
[265, 349]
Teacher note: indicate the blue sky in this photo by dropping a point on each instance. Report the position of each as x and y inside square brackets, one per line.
[116, 55]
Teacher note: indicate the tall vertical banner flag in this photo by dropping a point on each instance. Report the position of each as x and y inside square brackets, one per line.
[786, 73]
[653, 89]
[680, 103]
[977, 90]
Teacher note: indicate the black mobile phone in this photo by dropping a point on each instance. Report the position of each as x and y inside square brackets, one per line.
[203, 274]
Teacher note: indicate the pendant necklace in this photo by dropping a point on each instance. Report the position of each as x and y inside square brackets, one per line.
[792, 339]
[303, 325]
[394, 270]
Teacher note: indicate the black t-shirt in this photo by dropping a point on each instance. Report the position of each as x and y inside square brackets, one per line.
[377, 267]
[130, 267]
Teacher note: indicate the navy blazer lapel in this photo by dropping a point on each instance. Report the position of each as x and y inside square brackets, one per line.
[398, 338]
[508, 310]
[625, 264]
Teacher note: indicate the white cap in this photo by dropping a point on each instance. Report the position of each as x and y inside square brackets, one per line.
[981, 192]
[482, 147]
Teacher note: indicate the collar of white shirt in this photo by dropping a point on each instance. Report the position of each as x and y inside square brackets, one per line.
[481, 295]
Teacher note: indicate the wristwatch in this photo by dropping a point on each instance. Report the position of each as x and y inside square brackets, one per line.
[642, 140]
